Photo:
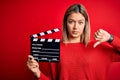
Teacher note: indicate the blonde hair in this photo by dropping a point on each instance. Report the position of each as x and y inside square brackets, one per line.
[85, 37]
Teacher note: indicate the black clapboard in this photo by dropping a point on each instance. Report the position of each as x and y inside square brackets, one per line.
[45, 50]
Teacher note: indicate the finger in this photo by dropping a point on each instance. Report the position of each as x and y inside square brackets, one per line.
[31, 58]
[99, 32]
[31, 67]
[33, 64]
[97, 37]
[96, 44]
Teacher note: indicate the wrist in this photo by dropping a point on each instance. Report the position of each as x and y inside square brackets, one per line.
[111, 38]
[37, 74]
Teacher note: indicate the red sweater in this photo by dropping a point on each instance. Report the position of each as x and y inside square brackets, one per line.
[78, 62]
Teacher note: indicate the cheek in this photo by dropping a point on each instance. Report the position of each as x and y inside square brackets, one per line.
[69, 30]
[69, 27]
[81, 28]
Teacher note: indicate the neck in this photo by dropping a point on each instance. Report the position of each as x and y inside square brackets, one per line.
[73, 40]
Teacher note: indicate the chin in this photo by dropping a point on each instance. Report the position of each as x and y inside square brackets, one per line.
[75, 36]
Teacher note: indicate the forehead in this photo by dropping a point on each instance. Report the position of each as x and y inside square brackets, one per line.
[76, 16]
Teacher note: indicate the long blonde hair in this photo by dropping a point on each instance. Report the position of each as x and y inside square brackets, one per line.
[85, 37]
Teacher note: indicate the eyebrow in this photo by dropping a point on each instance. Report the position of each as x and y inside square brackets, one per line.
[78, 20]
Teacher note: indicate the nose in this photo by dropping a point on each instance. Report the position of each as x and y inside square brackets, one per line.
[76, 25]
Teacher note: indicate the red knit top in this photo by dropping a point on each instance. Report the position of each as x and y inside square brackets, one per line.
[78, 62]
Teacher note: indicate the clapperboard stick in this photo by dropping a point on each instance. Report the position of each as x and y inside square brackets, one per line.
[45, 49]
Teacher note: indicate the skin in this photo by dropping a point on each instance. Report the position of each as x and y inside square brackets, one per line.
[33, 66]
[75, 26]
[101, 36]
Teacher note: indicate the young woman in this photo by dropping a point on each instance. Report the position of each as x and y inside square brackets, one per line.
[78, 59]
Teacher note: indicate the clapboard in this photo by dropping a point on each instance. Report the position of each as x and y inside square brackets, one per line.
[45, 49]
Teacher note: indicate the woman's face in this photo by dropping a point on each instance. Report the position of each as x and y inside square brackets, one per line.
[75, 25]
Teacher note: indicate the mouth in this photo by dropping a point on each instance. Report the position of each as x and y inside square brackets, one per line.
[75, 32]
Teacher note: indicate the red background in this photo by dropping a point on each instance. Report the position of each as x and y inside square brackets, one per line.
[19, 19]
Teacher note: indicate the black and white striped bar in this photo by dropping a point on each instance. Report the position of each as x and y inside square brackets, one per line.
[45, 50]
[46, 32]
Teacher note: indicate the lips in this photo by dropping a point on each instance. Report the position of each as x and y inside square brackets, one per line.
[75, 32]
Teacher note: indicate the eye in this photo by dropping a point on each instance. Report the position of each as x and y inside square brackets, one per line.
[81, 22]
[70, 21]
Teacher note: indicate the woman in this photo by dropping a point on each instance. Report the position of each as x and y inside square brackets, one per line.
[78, 59]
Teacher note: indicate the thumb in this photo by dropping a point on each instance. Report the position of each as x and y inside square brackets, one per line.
[30, 58]
[96, 44]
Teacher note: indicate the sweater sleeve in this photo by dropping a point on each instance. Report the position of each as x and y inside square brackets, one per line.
[43, 77]
[44, 71]
[116, 43]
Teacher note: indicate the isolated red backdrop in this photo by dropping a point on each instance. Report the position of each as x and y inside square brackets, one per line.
[20, 18]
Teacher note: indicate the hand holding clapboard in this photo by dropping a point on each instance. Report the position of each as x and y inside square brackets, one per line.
[45, 50]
